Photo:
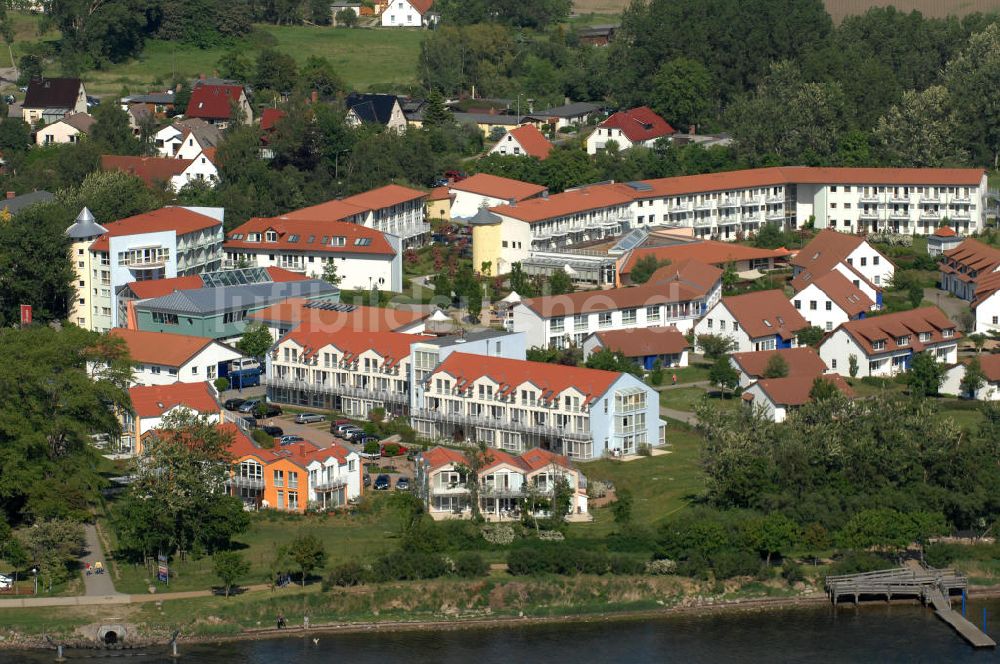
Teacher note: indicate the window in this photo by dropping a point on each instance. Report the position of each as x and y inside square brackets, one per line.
[709, 323]
[833, 363]
[164, 319]
[580, 322]
[833, 189]
[812, 305]
[949, 333]
[829, 326]
[604, 319]
[798, 304]
[557, 324]
[722, 325]
[877, 279]
[864, 261]
[829, 305]
[278, 478]
[628, 316]
[875, 260]
[903, 340]
[878, 344]
[652, 314]
[833, 206]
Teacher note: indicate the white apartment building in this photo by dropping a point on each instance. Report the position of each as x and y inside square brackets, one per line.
[365, 258]
[505, 483]
[391, 209]
[885, 345]
[762, 320]
[831, 300]
[162, 358]
[676, 295]
[967, 266]
[169, 242]
[475, 192]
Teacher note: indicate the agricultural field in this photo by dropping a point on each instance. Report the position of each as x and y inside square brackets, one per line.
[838, 9]
[367, 59]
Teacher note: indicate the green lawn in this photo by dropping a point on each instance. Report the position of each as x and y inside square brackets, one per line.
[346, 538]
[660, 485]
[365, 58]
[689, 398]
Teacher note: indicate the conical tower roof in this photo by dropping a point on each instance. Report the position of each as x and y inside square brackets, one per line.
[85, 226]
[484, 218]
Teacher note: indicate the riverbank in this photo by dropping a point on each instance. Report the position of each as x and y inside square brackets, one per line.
[150, 632]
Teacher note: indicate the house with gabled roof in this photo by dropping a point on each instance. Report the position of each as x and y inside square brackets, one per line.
[375, 109]
[159, 358]
[989, 364]
[802, 361]
[216, 103]
[851, 255]
[965, 266]
[524, 141]
[831, 300]
[884, 345]
[635, 127]
[644, 346]
[69, 129]
[408, 14]
[775, 397]
[515, 405]
[151, 403]
[506, 484]
[172, 174]
[186, 139]
[762, 320]
[475, 192]
[51, 99]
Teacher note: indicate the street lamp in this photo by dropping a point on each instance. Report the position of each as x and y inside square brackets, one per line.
[34, 570]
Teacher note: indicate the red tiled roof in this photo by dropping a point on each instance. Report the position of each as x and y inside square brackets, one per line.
[372, 319]
[802, 361]
[383, 197]
[710, 252]
[180, 220]
[145, 290]
[648, 294]
[765, 313]
[889, 327]
[151, 170]
[975, 255]
[392, 347]
[269, 118]
[695, 273]
[843, 293]
[639, 124]
[826, 250]
[643, 342]
[532, 141]
[155, 400]
[537, 458]
[591, 197]
[213, 102]
[550, 379]
[990, 365]
[794, 390]
[443, 456]
[422, 6]
[985, 287]
[302, 230]
[495, 186]
[945, 231]
[534, 459]
[439, 194]
[281, 275]
[499, 457]
[171, 350]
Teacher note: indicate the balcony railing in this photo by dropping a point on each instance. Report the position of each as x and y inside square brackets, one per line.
[680, 207]
[729, 203]
[924, 198]
[899, 214]
[703, 221]
[338, 390]
[704, 205]
[899, 198]
[330, 484]
[775, 199]
[774, 216]
[869, 198]
[244, 482]
[505, 424]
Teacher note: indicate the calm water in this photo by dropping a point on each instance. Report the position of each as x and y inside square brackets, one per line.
[870, 634]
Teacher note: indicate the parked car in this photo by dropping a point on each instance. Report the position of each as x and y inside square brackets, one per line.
[366, 438]
[354, 435]
[309, 418]
[290, 438]
[6, 582]
[273, 432]
[366, 480]
[271, 410]
[403, 484]
[341, 427]
[233, 404]
[382, 483]
[248, 406]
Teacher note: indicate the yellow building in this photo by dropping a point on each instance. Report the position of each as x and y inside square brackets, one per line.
[439, 204]
[83, 233]
[486, 242]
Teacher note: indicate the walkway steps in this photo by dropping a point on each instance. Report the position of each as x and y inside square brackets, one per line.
[968, 631]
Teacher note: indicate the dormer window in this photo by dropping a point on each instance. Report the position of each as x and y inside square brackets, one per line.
[949, 333]
[253, 237]
[271, 236]
[878, 344]
[903, 341]
[925, 336]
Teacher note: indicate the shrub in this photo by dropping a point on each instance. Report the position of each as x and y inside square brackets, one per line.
[263, 439]
[222, 384]
[501, 534]
[469, 564]
[346, 575]
[661, 566]
[729, 564]
[371, 447]
[525, 562]
[792, 572]
[940, 554]
[859, 561]
[390, 450]
[402, 566]
[645, 449]
[627, 565]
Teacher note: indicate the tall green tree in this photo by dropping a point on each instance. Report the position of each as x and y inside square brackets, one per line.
[229, 567]
[110, 195]
[683, 93]
[308, 552]
[54, 546]
[560, 283]
[643, 269]
[714, 346]
[925, 375]
[62, 386]
[723, 375]
[111, 131]
[256, 341]
[919, 132]
[971, 78]
[612, 360]
[973, 379]
[275, 71]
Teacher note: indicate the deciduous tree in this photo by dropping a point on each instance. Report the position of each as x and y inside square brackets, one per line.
[776, 367]
[229, 567]
[920, 131]
[683, 93]
[256, 341]
[723, 375]
[925, 375]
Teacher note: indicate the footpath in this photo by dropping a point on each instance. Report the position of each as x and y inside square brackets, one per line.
[681, 415]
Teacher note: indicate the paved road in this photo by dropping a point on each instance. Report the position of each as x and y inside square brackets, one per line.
[682, 415]
[97, 585]
[954, 307]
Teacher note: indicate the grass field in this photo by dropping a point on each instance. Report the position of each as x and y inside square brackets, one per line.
[365, 58]
[838, 9]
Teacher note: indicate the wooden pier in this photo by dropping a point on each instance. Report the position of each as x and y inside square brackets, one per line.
[929, 585]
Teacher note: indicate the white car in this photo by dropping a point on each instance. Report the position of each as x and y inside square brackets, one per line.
[6, 583]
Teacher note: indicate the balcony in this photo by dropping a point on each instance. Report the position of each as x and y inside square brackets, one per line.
[244, 482]
[868, 215]
[930, 214]
[774, 215]
[960, 214]
[869, 198]
[899, 214]
[704, 205]
[508, 424]
[899, 198]
[924, 198]
[774, 200]
[702, 222]
[962, 199]
[680, 207]
[293, 267]
[753, 201]
[330, 484]
[729, 203]
[338, 390]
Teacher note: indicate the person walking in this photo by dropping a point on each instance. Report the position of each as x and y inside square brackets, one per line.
[675, 379]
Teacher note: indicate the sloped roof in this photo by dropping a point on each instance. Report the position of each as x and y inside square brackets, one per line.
[439, 194]
[294, 312]
[802, 361]
[269, 118]
[383, 197]
[155, 400]
[79, 121]
[531, 140]
[213, 101]
[975, 255]
[591, 197]
[889, 327]
[171, 350]
[826, 250]
[710, 252]
[765, 313]
[150, 170]
[422, 6]
[647, 294]
[208, 134]
[986, 286]
[304, 235]
[794, 390]
[689, 271]
[52, 93]
[537, 458]
[177, 219]
[495, 186]
[534, 459]
[159, 287]
[18, 203]
[392, 347]
[851, 299]
[639, 124]
[550, 379]
[945, 231]
[570, 110]
[374, 108]
[990, 365]
[84, 226]
[218, 300]
[643, 342]
[437, 457]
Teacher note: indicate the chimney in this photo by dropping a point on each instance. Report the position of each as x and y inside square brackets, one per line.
[692, 129]
[314, 96]
[302, 449]
[10, 195]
